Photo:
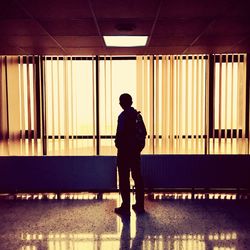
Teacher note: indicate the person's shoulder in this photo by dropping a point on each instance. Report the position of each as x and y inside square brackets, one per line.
[121, 115]
[138, 113]
[132, 113]
[133, 110]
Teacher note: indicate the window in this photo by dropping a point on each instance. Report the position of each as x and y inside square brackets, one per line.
[230, 94]
[174, 102]
[117, 76]
[70, 105]
[191, 104]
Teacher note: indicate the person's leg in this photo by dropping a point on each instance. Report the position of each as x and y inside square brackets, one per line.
[139, 184]
[124, 185]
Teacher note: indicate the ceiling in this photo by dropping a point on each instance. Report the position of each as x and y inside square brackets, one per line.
[76, 27]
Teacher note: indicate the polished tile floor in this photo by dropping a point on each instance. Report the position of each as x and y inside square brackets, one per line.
[91, 224]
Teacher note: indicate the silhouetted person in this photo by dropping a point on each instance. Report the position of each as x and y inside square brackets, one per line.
[130, 140]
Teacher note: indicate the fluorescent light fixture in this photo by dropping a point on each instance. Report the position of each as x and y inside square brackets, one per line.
[125, 41]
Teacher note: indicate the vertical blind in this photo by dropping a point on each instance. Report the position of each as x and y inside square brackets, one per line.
[191, 104]
[115, 77]
[70, 105]
[229, 105]
[187, 110]
[173, 90]
[20, 106]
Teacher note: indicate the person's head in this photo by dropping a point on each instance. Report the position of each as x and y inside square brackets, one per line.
[125, 101]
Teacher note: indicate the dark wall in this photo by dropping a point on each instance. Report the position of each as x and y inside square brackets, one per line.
[57, 173]
[93, 173]
[196, 171]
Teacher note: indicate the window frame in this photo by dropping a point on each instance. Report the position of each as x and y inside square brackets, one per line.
[214, 133]
[41, 96]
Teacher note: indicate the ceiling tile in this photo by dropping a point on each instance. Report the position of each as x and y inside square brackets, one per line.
[180, 27]
[210, 49]
[243, 46]
[20, 27]
[171, 41]
[57, 9]
[80, 41]
[125, 51]
[29, 41]
[43, 51]
[90, 51]
[70, 27]
[112, 26]
[219, 40]
[5, 50]
[9, 9]
[125, 8]
[168, 50]
[192, 26]
[193, 8]
[239, 8]
[230, 26]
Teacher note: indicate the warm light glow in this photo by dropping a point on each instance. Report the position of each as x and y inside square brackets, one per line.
[125, 41]
[172, 93]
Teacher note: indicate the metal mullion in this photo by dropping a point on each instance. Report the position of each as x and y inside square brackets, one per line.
[93, 104]
[208, 78]
[28, 102]
[212, 101]
[22, 109]
[43, 98]
[171, 104]
[192, 107]
[52, 108]
[197, 106]
[47, 118]
[5, 76]
[167, 97]
[164, 111]
[145, 94]
[157, 103]
[97, 108]
[59, 106]
[232, 102]
[220, 103]
[38, 96]
[22, 99]
[151, 97]
[177, 104]
[105, 95]
[186, 107]
[72, 104]
[111, 98]
[226, 100]
[248, 101]
[244, 91]
[35, 104]
[180, 103]
[238, 107]
[66, 107]
[202, 117]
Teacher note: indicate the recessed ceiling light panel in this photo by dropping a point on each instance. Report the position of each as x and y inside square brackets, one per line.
[125, 41]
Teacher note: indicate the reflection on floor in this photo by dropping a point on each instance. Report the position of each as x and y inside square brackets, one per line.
[91, 224]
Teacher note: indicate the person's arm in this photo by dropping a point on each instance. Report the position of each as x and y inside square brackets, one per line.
[119, 131]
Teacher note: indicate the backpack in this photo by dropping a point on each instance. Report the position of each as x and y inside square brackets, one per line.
[140, 132]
